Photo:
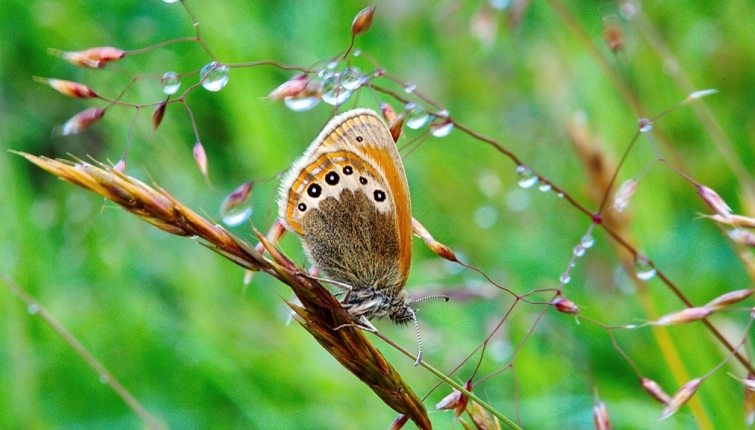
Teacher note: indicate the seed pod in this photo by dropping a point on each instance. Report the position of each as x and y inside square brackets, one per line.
[94, 57]
[684, 316]
[728, 299]
[362, 21]
[600, 416]
[68, 88]
[200, 157]
[290, 88]
[157, 115]
[565, 306]
[655, 390]
[680, 398]
[81, 121]
[714, 201]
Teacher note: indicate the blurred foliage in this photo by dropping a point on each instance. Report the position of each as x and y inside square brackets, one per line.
[170, 320]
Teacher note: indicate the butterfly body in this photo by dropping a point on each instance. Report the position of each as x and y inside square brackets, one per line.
[347, 199]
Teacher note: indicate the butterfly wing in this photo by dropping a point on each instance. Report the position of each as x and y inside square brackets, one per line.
[348, 199]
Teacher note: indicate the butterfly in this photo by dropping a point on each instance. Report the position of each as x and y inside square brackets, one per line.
[347, 199]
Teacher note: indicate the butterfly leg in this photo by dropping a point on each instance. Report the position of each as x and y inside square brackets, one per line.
[365, 325]
[438, 248]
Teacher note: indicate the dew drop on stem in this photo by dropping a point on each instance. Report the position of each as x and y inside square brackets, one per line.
[170, 83]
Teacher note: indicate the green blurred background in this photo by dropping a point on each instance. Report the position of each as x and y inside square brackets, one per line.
[171, 321]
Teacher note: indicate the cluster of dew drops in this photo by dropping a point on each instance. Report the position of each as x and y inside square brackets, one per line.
[644, 270]
[332, 85]
[334, 88]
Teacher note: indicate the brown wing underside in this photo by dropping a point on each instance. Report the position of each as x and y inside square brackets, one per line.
[354, 243]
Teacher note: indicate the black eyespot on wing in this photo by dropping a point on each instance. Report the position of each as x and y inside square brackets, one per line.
[379, 196]
[302, 207]
[363, 180]
[314, 190]
[348, 170]
[360, 139]
[332, 178]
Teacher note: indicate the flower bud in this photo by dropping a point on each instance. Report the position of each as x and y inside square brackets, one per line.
[81, 121]
[200, 157]
[94, 57]
[565, 306]
[684, 316]
[600, 416]
[362, 21]
[290, 88]
[728, 299]
[612, 34]
[655, 390]
[157, 115]
[68, 88]
[680, 398]
[714, 201]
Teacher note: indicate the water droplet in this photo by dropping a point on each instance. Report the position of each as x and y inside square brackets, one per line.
[214, 76]
[560, 195]
[237, 215]
[409, 88]
[526, 177]
[33, 309]
[332, 92]
[104, 379]
[645, 125]
[579, 251]
[236, 207]
[357, 52]
[442, 129]
[300, 104]
[565, 278]
[643, 269]
[544, 187]
[486, 217]
[415, 116]
[499, 4]
[170, 82]
[587, 241]
[171, 1]
[351, 78]
[332, 65]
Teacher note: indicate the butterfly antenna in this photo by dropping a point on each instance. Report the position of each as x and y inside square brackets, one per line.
[419, 341]
[435, 296]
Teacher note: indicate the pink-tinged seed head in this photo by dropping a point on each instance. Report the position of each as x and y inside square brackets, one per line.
[290, 88]
[680, 398]
[236, 198]
[94, 57]
[69, 88]
[200, 157]
[749, 400]
[655, 390]
[600, 416]
[624, 194]
[728, 299]
[744, 237]
[565, 306]
[389, 114]
[715, 201]
[81, 121]
[684, 316]
[120, 166]
[613, 36]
